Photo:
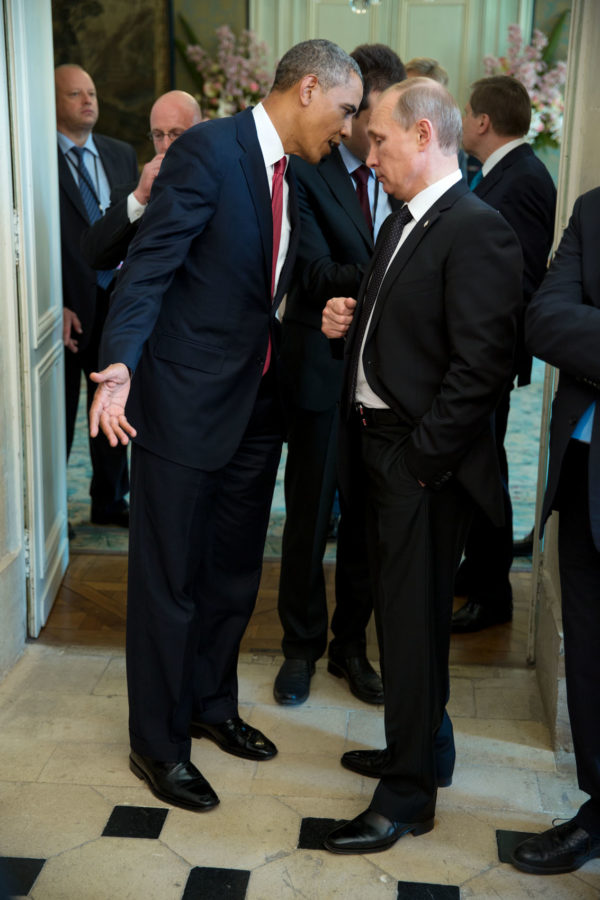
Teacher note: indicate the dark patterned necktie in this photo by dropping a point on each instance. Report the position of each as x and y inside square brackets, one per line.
[361, 176]
[395, 222]
[92, 206]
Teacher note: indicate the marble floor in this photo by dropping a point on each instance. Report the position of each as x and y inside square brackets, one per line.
[76, 823]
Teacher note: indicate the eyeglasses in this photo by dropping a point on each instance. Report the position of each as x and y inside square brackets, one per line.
[161, 135]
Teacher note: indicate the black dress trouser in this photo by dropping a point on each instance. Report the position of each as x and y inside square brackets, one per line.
[415, 538]
[579, 566]
[196, 542]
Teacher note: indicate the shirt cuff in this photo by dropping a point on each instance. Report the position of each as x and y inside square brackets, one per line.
[135, 209]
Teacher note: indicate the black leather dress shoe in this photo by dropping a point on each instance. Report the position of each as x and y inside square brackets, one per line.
[524, 547]
[370, 832]
[475, 617]
[292, 684]
[371, 763]
[179, 783]
[362, 678]
[114, 515]
[236, 737]
[561, 849]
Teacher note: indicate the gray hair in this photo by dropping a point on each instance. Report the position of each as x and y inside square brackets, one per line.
[332, 65]
[422, 98]
[428, 68]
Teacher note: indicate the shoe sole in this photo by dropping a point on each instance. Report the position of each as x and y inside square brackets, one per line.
[137, 771]
[442, 782]
[289, 701]
[417, 829]
[197, 732]
[336, 670]
[555, 870]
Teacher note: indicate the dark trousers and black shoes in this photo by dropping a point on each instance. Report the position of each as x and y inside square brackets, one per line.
[110, 479]
[310, 485]
[483, 575]
[416, 536]
[568, 846]
[195, 558]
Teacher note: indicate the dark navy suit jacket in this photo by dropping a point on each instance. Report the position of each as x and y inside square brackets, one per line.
[192, 311]
[521, 188]
[335, 248]
[78, 277]
[562, 327]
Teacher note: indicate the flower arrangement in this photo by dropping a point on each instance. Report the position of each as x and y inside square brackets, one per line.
[238, 76]
[544, 82]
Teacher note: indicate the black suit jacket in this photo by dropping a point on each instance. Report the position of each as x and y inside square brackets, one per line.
[562, 327]
[521, 188]
[105, 243]
[440, 345]
[192, 306]
[78, 277]
[334, 249]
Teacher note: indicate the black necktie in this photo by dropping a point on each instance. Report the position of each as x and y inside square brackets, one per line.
[92, 206]
[396, 222]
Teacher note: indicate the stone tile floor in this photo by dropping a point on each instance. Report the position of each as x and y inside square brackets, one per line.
[64, 782]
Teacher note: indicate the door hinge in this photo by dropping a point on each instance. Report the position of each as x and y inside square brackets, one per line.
[27, 553]
[17, 236]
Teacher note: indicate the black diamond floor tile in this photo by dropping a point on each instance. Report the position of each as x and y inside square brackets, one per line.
[413, 890]
[313, 832]
[205, 883]
[18, 874]
[135, 822]
[508, 840]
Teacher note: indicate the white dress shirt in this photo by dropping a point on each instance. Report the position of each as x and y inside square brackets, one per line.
[419, 206]
[272, 151]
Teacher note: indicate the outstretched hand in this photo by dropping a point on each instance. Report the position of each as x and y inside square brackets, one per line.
[108, 407]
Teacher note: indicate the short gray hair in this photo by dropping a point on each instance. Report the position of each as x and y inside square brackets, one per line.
[331, 65]
[422, 98]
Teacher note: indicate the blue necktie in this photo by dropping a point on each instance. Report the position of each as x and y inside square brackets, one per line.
[92, 207]
[476, 179]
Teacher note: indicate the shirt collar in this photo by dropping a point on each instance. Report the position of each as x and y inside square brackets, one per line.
[351, 161]
[268, 138]
[499, 154]
[425, 199]
[66, 143]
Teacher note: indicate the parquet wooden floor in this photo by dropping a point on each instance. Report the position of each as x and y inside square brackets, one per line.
[90, 611]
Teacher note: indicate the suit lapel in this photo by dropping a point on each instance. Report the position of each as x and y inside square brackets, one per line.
[335, 175]
[491, 180]
[67, 184]
[421, 229]
[253, 166]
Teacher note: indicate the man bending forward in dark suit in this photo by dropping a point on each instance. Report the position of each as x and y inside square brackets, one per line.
[429, 349]
[193, 317]
[104, 163]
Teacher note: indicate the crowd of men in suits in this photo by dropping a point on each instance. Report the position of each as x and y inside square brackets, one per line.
[407, 292]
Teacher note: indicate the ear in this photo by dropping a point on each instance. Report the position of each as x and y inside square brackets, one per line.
[424, 132]
[483, 123]
[305, 88]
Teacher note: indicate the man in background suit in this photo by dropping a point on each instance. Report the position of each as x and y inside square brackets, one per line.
[515, 182]
[106, 162]
[562, 327]
[193, 319]
[104, 244]
[336, 241]
[428, 353]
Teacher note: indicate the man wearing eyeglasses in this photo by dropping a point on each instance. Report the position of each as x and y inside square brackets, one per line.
[88, 168]
[104, 244]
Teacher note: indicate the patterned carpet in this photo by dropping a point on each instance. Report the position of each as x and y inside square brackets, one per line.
[522, 448]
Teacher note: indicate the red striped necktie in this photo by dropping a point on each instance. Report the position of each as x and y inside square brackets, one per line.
[277, 211]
